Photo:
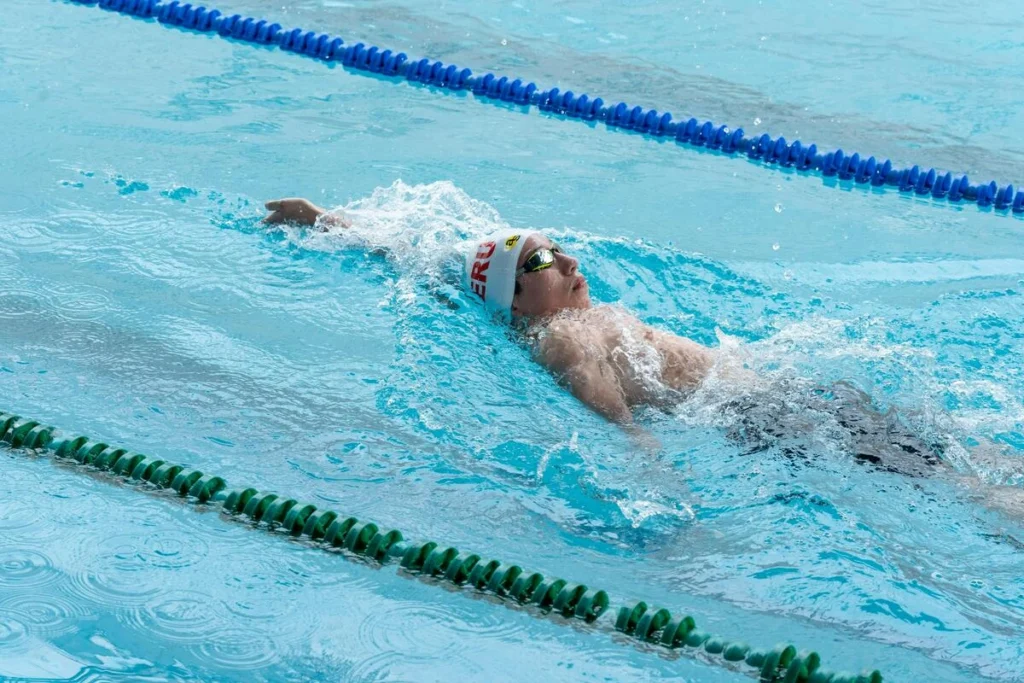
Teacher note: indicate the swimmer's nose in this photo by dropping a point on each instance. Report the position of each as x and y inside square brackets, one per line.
[567, 264]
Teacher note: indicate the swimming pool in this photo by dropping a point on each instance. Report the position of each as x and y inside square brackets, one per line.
[141, 301]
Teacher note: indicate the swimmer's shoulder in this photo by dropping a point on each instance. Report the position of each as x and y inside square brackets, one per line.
[562, 343]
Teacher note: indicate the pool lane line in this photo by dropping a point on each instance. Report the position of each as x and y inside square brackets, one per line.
[328, 529]
[865, 171]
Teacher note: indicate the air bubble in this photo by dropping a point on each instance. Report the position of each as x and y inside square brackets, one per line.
[775, 247]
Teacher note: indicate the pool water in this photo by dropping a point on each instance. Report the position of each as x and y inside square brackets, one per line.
[142, 302]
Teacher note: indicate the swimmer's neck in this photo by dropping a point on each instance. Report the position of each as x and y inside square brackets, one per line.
[577, 313]
[534, 324]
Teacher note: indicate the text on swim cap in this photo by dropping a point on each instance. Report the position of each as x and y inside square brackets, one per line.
[478, 276]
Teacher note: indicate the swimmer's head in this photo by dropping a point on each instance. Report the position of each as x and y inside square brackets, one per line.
[524, 274]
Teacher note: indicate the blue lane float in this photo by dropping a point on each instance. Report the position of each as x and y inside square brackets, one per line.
[763, 148]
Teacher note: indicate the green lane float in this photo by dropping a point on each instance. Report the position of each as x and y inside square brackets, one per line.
[329, 530]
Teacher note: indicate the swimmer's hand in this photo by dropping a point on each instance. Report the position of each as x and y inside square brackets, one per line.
[643, 441]
[302, 212]
[294, 210]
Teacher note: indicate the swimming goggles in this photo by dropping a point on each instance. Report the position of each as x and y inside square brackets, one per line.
[539, 260]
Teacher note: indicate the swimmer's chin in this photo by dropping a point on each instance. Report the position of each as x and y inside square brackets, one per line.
[579, 294]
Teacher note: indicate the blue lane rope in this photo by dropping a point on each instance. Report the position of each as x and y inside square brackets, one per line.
[796, 155]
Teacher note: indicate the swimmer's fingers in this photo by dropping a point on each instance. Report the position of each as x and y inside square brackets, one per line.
[276, 215]
[295, 210]
[289, 210]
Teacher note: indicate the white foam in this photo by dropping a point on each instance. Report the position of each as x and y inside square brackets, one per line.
[422, 229]
[636, 511]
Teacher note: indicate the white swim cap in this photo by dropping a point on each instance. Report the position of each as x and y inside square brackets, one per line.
[491, 268]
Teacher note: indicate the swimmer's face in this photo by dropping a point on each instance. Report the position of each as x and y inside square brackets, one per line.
[548, 291]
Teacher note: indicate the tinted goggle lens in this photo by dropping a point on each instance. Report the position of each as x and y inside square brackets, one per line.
[539, 260]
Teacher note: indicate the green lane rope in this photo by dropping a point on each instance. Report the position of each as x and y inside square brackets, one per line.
[329, 529]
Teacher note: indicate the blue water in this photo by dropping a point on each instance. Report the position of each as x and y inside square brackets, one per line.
[141, 302]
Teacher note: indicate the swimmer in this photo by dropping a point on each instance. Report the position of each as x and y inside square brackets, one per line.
[588, 348]
[614, 363]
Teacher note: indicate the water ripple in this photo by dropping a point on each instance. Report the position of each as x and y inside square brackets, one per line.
[47, 616]
[116, 569]
[407, 631]
[375, 668]
[180, 616]
[21, 567]
[75, 503]
[416, 630]
[26, 234]
[109, 586]
[16, 303]
[266, 577]
[169, 550]
[12, 632]
[79, 301]
[19, 515]
[239, 649]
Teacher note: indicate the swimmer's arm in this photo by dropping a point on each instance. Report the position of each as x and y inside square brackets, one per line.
[585, 377]
[588, 381]
[303, 212]
[306, 213]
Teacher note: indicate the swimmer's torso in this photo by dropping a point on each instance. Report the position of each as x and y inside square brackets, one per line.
[648, 366]
[641, 365]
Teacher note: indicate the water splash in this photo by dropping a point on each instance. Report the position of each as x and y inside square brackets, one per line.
[419, 227]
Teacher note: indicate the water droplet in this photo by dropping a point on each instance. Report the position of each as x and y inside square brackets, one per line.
[757, 121]
[778, 208]
[504, 41]
[775, 247]
[787, 275]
